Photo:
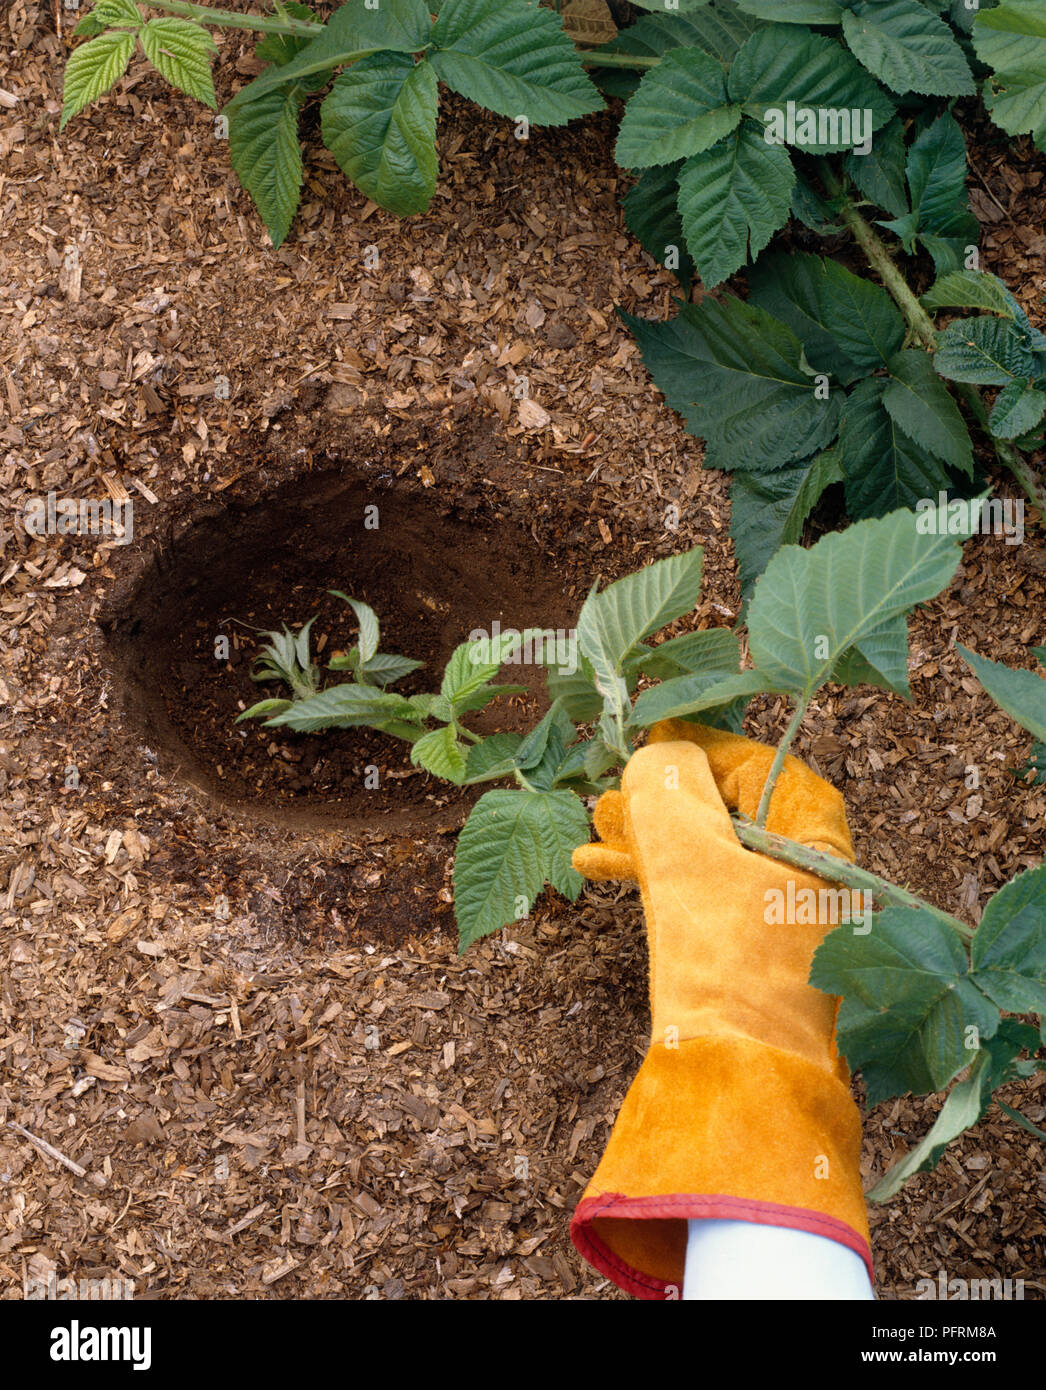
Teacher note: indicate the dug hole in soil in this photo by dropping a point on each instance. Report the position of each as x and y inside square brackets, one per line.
[433, 570]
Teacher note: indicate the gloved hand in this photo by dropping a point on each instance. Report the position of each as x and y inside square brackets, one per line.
[741, 1109]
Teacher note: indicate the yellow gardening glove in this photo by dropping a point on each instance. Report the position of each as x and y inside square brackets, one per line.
[741, 1109]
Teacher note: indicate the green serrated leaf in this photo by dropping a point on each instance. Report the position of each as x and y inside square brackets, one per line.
[908, 1001]
[908, 48]
[718, 29]
[967, 1103]
[971, 289]
[883, 468]
[919, 403]
[1022, 694]
[353, 31]
[90, 26]
[369, 627]
[680, 109]
[575, 692]
[492, 758]
[512, 842]
[881, 658]
[811, 606]
[612, 622]
[848, 325]
[181, 52]
[514, 58]
[385, 668]
[688, 695]
[1011, 41]
[795, 11]
[1008, 952]
[440, 753]
[988, 351]
[266, 154]
[735, 373]
[118, 12]
[782, 64]
[1017, 409]
[879, 174]
[732, 198]
[652, 215]
[936, 174]
[92, 69]
[379, 123]
[712, 649]
[768, 510]
[344, 707]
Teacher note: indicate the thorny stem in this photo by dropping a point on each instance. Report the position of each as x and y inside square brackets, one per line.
[230, 19]
[924, 332]
[778, 762]
[835, 870]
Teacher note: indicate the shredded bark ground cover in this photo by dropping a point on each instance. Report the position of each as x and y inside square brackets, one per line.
[229, 990]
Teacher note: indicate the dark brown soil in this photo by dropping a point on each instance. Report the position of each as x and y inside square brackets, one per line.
[434, 570]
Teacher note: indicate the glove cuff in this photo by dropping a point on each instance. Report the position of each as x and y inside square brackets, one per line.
[727, 1128]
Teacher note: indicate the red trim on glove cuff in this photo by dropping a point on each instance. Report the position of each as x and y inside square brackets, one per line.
[675, 1207]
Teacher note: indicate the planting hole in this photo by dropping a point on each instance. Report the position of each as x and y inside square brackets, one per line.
[432, 573]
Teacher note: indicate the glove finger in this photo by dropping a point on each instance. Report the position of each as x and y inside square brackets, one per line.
[673, 796]
[609, 818]
[804, 806]
[599, 861]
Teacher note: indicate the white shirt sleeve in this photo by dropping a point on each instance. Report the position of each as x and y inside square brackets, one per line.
[744, 1260]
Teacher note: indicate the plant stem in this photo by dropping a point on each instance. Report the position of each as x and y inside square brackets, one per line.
[836, 870]
[230, 19]
[778, 762]
[924, 332]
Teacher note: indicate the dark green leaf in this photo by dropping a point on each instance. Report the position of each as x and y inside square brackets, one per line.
[265, 152]
[909, 48]
[879, 174]
[1022, 694]
[379, 123]
[782, 64]
[735, 372]
[966, 1105]
[1017, 409]
[884, 469]
[908, 1001]
[848, 326]
[680, 108]
[1008, 953]
[732, 198]
[512, 842]
[352, 32]
[652, 215]
[768, 510]
[919, 403]
[514, 58]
